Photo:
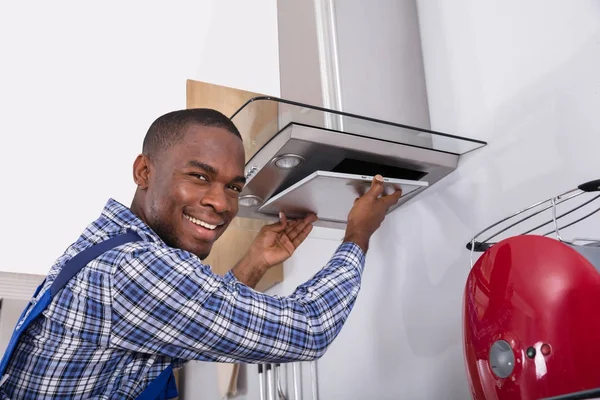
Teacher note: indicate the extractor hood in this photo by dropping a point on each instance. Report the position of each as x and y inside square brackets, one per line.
[303, 158]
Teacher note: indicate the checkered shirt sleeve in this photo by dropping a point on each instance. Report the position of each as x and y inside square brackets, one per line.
[166, 301]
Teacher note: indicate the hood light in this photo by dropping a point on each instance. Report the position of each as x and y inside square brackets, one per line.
[249, 200]
[288, 161]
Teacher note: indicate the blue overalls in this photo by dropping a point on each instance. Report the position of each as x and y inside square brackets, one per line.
[163, 387]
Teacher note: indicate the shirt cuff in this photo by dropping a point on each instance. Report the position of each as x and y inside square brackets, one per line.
[230, 277]
[351, 254]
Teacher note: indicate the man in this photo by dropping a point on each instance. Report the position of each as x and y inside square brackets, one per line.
[140, 307]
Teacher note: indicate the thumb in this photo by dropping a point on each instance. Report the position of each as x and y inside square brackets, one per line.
[376, 188]
[282, 221]
[279, 226]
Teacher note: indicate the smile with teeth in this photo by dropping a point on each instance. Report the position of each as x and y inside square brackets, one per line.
[199, 222]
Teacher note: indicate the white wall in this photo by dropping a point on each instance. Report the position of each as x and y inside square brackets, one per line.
[521, 75]
[81, 83]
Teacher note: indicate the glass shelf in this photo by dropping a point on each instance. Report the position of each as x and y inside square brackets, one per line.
[263, 117]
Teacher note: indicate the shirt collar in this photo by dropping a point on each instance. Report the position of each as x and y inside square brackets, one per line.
[123, 216]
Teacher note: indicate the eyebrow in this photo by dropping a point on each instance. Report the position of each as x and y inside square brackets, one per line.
[212, 170]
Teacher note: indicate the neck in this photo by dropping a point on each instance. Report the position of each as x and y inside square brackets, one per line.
[136, 207]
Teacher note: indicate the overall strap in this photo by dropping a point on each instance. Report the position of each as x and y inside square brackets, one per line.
[69, 270]
[162, 387]
[75, 264]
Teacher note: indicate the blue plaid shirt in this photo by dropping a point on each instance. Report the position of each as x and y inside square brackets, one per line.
[142, 306]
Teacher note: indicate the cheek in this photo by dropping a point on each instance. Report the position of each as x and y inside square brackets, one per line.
[172, 189]
[234, 206]
[189, 193]
[167, 195]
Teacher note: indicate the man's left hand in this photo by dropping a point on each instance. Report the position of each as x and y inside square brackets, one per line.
[276, 242]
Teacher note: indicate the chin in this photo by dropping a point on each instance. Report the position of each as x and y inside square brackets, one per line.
[203, 253]
[192, 247]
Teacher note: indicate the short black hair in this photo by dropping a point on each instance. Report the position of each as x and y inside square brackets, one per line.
[169, 128]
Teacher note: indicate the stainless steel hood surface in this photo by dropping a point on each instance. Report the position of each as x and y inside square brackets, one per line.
[331, 194]
[318, 139]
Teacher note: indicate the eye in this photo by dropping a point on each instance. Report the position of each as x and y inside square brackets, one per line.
[235, 188]
[199, 176]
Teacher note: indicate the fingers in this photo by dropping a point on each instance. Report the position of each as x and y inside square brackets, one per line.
[297, 241]
[291, 225]
[391, 199]
[376, 193]
[296, 227]
[376, 188]
[310, 218]
[278, 226]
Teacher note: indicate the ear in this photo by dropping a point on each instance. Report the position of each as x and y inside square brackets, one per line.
[141, 171]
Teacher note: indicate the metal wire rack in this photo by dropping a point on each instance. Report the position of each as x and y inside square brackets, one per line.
[526, 214]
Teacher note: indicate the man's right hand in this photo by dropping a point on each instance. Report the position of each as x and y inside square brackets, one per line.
[368, 213]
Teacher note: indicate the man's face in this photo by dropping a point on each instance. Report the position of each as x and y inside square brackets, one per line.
[193, 188]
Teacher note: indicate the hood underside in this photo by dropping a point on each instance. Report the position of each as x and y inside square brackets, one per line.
[303, 159]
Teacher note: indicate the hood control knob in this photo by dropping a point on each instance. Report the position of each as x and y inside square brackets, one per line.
[502, 359]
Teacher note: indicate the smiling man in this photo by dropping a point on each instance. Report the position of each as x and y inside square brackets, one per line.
[131, 299]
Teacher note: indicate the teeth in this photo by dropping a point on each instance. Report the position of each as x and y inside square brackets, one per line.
[198, 222]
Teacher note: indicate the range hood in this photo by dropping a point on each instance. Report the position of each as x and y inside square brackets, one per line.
[303, 158]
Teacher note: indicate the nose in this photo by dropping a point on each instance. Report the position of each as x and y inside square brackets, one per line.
[216, 198]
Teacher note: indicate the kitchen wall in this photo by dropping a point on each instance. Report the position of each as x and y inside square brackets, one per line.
[80, 85]
[521, 75]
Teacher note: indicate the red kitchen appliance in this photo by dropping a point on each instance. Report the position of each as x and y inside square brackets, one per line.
[531, 307]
